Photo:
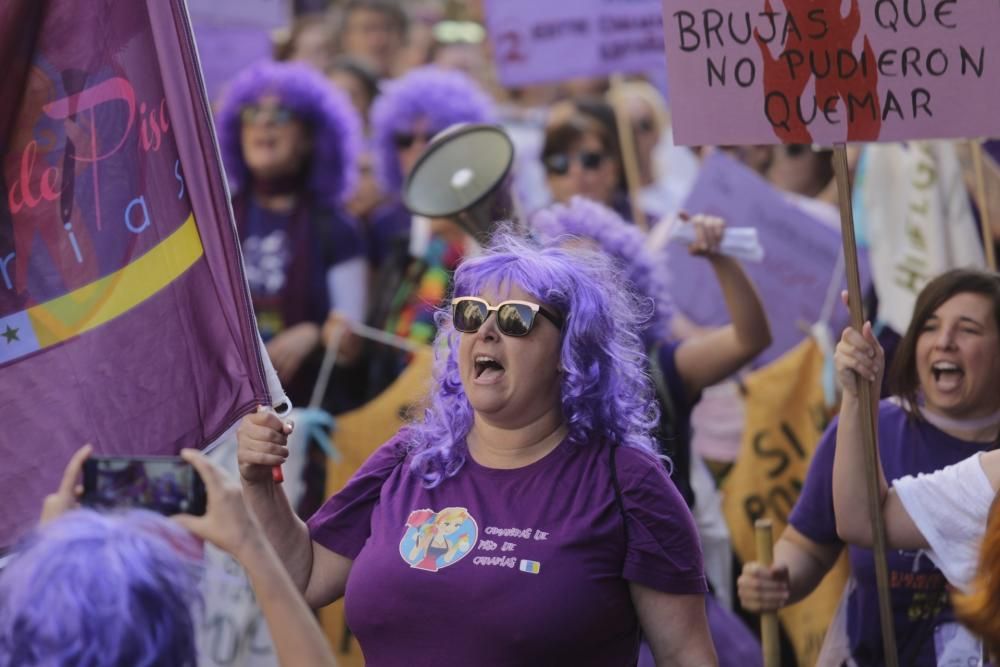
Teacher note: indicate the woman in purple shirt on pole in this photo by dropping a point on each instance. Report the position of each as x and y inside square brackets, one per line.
[526, 520]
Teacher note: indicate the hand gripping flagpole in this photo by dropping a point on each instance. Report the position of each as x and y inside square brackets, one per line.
[865, 389]
[769, 638]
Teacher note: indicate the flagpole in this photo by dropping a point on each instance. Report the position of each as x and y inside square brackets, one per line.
[982, 202]
[769, 642]
[842, 173]
[626, 142]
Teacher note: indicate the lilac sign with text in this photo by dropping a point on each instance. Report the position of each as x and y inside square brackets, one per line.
[539, 42]
[828, 71]
[801, 255]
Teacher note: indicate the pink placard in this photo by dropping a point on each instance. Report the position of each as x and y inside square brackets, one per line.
[828, 71]
[539, 41]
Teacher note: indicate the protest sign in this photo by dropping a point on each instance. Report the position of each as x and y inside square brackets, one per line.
[800, 256]
[233, 34]
[827, 71]
[785, 417]
[124, 314]
[924, 229]
[538, 42]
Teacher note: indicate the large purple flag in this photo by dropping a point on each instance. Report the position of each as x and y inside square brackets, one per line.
[124, 314]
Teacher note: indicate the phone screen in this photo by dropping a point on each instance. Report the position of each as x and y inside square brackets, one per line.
[166, 485]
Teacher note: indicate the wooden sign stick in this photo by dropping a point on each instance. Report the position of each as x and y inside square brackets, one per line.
[982, 202]
[865, 389]
[630, 159]
[769, 642]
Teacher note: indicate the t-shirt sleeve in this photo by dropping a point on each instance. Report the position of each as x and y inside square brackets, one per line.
[950, 508]
[663, 550]
[343, 523]
[813, 514]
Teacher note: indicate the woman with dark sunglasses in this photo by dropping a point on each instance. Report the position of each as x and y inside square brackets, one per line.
[290, 142]
[413, 257]
[581, 155]
[559, 534]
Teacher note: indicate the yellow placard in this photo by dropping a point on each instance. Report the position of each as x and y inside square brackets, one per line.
[785, 418]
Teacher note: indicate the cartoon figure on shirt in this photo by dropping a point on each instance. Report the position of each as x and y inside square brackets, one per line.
[434, 540]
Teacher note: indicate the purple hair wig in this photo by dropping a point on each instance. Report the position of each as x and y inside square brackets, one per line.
[442, 97]
[334, 125]
[589, 221]
[606, 392]
[99, 590]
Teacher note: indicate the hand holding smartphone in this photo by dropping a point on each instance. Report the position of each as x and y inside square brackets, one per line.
[165, 484]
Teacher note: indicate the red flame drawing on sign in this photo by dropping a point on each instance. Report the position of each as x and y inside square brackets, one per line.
[839, 38]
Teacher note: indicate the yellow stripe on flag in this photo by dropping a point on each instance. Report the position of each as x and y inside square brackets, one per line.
[103, 300]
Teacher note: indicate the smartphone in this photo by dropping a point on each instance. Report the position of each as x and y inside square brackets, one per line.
[164, 484]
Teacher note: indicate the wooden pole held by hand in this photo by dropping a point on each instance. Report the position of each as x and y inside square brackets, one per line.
[865, 389]
[630, 159]
[764, 539]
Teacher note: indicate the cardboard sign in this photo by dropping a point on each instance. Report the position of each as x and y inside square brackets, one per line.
[827, 71]
[800, 256]
[538, 42]
[233, 34]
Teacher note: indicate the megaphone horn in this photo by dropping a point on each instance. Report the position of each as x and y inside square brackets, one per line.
[462, 175]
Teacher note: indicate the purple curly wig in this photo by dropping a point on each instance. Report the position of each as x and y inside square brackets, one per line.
[587, 220]
[327, 112]
[444, 97]
[606, 393]
[98, 590]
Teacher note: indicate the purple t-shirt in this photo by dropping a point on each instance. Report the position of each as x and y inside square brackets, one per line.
[286, 257]
[919, 590]
[508, 567]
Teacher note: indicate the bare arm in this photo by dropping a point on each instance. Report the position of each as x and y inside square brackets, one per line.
[231, 525]
[319, 573]
[859, 358]
[675, 626]
[799, 566]
[707, 359]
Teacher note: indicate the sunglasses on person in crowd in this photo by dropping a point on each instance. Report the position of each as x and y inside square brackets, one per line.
[514, 318]
[405, 140]
[559, 163]
[278, 115]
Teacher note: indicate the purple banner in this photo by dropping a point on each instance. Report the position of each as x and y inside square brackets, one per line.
[539, 42]
[124, 314]
[801, 254]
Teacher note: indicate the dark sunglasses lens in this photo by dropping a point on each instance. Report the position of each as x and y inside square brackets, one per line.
[795, 150]
[591, 161]
[403, 141]
[514, 319]
[557, 164]
[468, 316]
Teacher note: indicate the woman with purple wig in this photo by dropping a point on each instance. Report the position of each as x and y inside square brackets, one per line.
[414, 256]
[122, 589]
[290, 143]
[527, 520]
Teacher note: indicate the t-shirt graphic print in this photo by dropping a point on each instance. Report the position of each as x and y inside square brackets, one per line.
[435, 540]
